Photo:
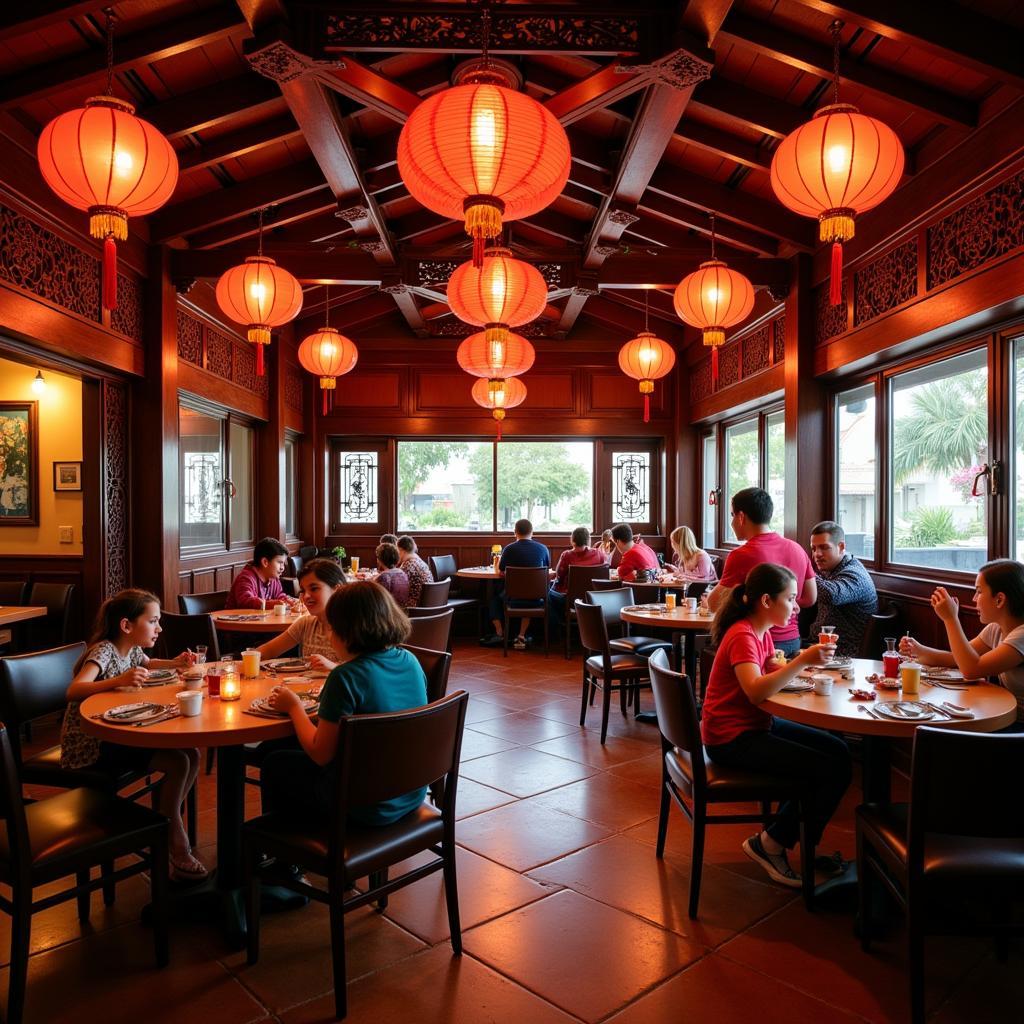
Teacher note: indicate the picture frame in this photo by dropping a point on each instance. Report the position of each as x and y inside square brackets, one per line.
[67, 476]
[19, 463]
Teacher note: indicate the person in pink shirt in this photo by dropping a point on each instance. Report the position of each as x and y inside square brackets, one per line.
[635, 555]
[260, 581]
[752, 510]
[581, 553]
[691, 562]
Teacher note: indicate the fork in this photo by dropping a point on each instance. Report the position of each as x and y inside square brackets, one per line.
[942, 686]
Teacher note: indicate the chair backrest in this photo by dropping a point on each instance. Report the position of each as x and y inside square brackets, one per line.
[307, 551]
[526, 584]
[707, 661]
[436, 665]
[12, 809]
[698, 587]
[879, 626]
[581, 579]
[56, 598]
[435, 595]
[718, 562]
[593, 628]
[293, 567]
[13, 591]
[611, 602]
[203, 604]
[607, 584]
[431, 632]
[442, 566]
[178, 632]
[36, 684]
[677, 713]
[289, 586]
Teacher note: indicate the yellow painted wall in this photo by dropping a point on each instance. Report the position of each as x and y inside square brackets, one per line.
[60, 440]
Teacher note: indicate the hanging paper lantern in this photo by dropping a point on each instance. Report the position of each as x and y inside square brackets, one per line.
[504, 292]
[508, 357]
[261, 295]
[328, 354]
[714, 298]
[483, 153]
[499, 395]
[646, 358]
[103, 159]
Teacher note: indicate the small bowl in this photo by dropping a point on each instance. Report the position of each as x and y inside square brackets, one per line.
[190, 703]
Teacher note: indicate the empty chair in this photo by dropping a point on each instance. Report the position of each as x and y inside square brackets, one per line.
[432, 597]
[202, 604]
[605, 670]
[607, 585]
[293, 566]
[178, 632]
[692, 781]
[289, 586]
[611, 602]
[69, 834]
[953, 857]
[309, 551]
[526, 584]
[580, 580]
[13, 592]
[880, 625]
[443, 567]
[379, 757]
[57, 599]
[432, 632]
[719, 564]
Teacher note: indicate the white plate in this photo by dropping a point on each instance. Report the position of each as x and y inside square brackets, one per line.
[952, 675]
[798, 686]
[129, 714]
[159, 676]
[904, 710]
[262, 705]
[645, 608]
[287, 664]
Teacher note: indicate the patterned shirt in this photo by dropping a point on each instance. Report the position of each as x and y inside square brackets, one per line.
[396, 583]
[312, 638]
[846, 600]
[419, 573]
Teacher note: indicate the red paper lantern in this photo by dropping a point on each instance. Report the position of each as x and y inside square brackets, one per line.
[508, 357]
[646, 358]
[714, 298]
[483, 153]
[504, 292]
[328, 354]
[499, 395]
[103, 159]
[261, 295]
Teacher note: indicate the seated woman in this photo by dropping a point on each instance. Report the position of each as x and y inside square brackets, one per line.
[738, 734]
[611, 552]
[390, 577]
[998, 650]
[373, 675]
[319, 579]
[691, 562]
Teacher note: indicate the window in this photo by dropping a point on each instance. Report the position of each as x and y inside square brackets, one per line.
[242, 469]
[741, 458]
[357, 487]
[709, 470]
[445, 485]
[775, 442]
[938, 443]
[856, 469]
[1017, 411]
[551, 483]
[291, 484]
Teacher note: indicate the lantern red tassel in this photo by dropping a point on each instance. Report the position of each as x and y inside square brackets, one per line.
[714, 365]
[647, 408]
[324, 393]
[259, 360]
[109, 273]
[835, 288]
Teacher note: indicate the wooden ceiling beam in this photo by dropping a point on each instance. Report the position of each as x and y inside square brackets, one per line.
[130, 52]
[279, 217]
[941, 29]
[239, 143]
[372, 89]
[596, 91]
[419, 222]
[724, 144]
[670, 266]
[213, 105]
[740, 103]
[662, 219]
[309, 263]
[558, 225]
[20, 20]
[816, 59]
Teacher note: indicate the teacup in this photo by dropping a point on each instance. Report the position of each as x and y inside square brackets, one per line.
[823, 685]
[190, 702]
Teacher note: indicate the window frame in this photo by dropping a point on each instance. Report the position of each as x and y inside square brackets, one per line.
[291, 481]
[386, 490]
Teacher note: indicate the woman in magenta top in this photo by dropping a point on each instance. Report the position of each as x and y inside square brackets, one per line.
[737, 733]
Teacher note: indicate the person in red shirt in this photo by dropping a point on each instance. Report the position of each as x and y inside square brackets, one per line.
[635, 555]
[259, 583]
[581, 553]
[752, 510]
[737, 733]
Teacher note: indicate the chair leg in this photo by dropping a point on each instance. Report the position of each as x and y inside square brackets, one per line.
[451, 898]
[377, 879]
[504, 635]
[624, 696]
[252, 904]
[863, 892]
[586, 694]
[109, 894]
[663, 812]
[338, 949]
[696, 859]
[606, 706]
[158, 896]
[21, 932]
[211, 757]
[915, 943]
[547, 634]
[83, 899]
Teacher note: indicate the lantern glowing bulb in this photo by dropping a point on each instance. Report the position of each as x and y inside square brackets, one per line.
[646, 358]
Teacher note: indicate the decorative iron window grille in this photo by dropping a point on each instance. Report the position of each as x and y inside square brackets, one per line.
[202, 487]
[631, 490]
[358, 487]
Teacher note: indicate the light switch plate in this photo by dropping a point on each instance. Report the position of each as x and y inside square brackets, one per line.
[67, 534]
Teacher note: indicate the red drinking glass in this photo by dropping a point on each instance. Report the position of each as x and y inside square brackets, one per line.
[891, 665]
[213, 682]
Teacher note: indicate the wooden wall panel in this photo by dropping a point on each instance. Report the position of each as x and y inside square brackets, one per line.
[617, 394]
[375, 392]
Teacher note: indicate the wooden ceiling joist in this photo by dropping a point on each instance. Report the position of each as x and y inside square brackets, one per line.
[240, 142]
[282, 215]
[372, 89]
[598, 90]
[749, 107]
[213, 105]
[307, 262]
[21, 19]
[661, 218]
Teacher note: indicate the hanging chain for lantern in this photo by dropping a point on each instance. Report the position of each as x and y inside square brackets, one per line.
[328, 384]
[646, 358]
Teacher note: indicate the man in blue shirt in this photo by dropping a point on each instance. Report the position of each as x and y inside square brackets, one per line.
[523, 552]
[846, 593]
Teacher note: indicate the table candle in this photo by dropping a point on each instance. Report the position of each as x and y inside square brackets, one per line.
[230, 688]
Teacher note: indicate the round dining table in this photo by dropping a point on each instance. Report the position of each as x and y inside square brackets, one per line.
[226, 725]
[252, 620]
[679, 620]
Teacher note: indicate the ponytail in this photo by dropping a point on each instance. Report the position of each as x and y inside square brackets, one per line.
[764, 579]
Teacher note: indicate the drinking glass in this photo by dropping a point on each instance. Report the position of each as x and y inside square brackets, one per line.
[354, 563]
[670, 600]
[891, 659]
[200, 654]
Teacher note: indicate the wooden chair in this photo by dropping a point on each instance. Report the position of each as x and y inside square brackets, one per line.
[379, 757]
[293, 566]
[608, 584]
[526, 584]
[178, 632]
[581, 579]
[436, 665]
[611, 602]
[444, 567]
[692, 781]
[432, 632]
[432, 597]
[953, 856]
[879, 626]
[70, 834]
[55, 628]
[13, 592]
[203, 604]
[605, 670]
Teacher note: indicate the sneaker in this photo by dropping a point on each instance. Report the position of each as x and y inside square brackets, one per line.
[493, 640]
[776, 866]
[519, 643]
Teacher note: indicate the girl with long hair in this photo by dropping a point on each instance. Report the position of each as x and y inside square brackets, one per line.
[691, 562]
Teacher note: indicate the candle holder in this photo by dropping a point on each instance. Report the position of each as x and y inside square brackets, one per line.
[230, 688]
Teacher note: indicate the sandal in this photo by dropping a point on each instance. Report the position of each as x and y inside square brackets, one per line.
[187, 868]
[775, 864]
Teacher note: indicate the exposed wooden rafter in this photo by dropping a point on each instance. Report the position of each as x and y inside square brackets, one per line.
[18, 19]
[213, 105]
[238, 143]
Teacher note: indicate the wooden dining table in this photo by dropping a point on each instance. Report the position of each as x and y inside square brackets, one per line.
[679, 620]
[252, 620]
[12, 613]
[228, 726]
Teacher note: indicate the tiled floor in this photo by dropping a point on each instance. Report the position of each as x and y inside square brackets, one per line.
[567, 914]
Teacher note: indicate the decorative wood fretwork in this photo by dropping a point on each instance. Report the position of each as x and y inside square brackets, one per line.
[729, 365]
[886, 282]
[779, 339]
[190, 338]
[126, 316]
[39, 261]
[745, 356]
[116, 540]
[218, 353]
[294, 391]
[986, 228]
[700, 382]
[829, 320]
[757, 351]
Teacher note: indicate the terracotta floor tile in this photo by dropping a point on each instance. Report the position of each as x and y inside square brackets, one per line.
[478, 744]
[486, 890]
[472, 798]
[987, 993]
[626, 874]
[434, 988]
[521, 698]
[579, 954]
[480, 710]
[474, 684]
[522, 836]
[715, 989]
[567, 711]
[603, 799]
[586, 747]
[525, 727]
[646, 771]
[524, 771]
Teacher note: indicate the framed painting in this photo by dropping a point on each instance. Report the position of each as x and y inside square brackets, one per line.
[19, 463]
[67, 476]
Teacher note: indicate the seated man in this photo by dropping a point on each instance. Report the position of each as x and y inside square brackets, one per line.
[414, 567]
[635, 554]
[260, 581]
[581, 553]
[846, 593]
[390, 577]
[525, 553]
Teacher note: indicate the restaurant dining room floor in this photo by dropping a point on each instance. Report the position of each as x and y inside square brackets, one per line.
[567, 914]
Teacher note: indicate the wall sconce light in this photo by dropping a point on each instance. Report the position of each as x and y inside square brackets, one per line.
[39, 383]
